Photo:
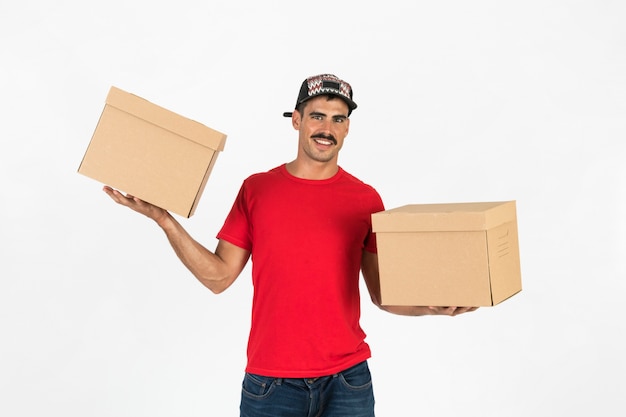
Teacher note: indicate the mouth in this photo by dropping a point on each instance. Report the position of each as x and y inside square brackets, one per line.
[325, 140]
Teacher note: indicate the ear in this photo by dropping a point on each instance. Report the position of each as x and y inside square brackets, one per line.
[296, 118]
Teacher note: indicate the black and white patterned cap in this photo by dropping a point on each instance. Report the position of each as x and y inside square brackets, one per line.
[325, 84]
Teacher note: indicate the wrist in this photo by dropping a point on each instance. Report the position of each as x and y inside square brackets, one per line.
[164, 220]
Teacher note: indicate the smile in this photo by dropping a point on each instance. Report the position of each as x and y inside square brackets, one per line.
[325, 140]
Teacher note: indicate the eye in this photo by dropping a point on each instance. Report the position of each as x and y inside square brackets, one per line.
[339, 119]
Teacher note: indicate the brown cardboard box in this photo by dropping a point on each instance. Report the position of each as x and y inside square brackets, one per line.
[459, 254]
[151, 153]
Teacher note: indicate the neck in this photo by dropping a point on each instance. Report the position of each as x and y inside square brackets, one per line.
[312, 170]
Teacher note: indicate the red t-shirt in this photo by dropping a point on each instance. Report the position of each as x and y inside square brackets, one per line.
[306, 239]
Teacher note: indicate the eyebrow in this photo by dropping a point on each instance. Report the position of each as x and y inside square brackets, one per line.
[317, 113]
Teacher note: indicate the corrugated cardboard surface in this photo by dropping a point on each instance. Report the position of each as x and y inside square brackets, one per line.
[447, 216]
[459, 254]
[152, 153]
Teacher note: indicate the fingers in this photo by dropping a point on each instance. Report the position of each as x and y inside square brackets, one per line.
[136, 204]
[119, 197]
[461, 310]
[443, 311]
[451, 311]
[114, 194]
[125, 200]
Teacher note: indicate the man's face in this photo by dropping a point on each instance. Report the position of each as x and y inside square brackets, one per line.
[323, 128]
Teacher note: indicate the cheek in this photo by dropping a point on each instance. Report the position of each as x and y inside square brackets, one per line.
[341, 131]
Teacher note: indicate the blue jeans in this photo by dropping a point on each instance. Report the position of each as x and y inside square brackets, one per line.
[345, 394]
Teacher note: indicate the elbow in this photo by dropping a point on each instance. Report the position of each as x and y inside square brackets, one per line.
[215, 290]
[387, 309]
[216, 286]
[375, 297]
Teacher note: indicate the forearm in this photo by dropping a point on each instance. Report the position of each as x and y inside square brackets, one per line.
[216, 270]
[205, 265]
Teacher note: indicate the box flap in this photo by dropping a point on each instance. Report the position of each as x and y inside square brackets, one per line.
[166, 119]
[444, 217]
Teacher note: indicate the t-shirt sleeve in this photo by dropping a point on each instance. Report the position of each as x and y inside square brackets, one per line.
[236, 228]
[376, 206]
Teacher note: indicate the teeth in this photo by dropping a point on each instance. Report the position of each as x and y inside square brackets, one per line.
[323, 142]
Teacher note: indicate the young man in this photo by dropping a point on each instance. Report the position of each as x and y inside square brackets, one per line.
[307, 226]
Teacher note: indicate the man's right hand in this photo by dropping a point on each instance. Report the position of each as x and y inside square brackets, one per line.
[150, 210]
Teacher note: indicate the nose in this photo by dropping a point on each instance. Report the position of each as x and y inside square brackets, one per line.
[327, 124]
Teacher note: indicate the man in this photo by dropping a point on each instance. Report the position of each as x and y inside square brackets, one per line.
[307, 226]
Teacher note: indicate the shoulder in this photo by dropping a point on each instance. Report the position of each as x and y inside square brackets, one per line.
[356, 182]
[261, 177]
[366, 191]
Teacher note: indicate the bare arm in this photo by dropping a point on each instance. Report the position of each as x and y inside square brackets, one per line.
[369, 268]
[215, 270]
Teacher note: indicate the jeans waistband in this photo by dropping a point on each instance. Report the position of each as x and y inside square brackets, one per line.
[315, 380]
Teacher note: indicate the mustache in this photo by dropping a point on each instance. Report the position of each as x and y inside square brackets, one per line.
[325, 136]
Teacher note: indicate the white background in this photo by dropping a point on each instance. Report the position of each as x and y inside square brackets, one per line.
[458, 101]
